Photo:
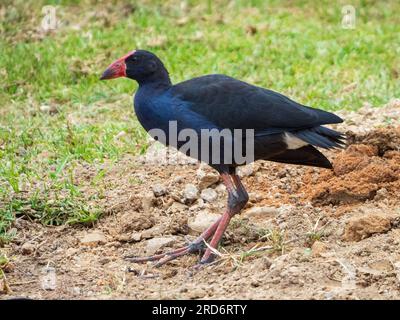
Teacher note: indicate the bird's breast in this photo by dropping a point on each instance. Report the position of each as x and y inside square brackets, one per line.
[156, 114]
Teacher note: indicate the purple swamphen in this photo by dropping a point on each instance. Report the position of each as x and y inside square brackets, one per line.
[283, 130]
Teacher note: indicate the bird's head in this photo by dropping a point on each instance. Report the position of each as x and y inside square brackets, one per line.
[139, 65]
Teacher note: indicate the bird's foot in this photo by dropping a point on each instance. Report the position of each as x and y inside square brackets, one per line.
[196, 246]
[160, 259]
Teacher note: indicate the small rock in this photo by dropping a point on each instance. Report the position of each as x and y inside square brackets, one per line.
[27, 248]
[200, 204]
[93, 238]
[202, 221]
[221, 188]
[21, 151]
[182, 21]
[148, 201]
[248, 170]
[262, 212]
[120, 238]
[361, 227]
[290, 270]
[177, 180]
[120, 135]
[280, 262]
[71, 252]
[116, 244]
[209, 195]
[136, 236]
[104, 260]
[190, 192]
[383, 265]
[48, 109]
[266, 262]
[49, 278]
[177, 207]
[318, 248]
[255, 197]
[135, 221]
[381, 194]
[159, 190]
[153, 232]
[207, 179]
[263, 263]
[44, 108]
[76, 291]
[153, 245]
[196, 293]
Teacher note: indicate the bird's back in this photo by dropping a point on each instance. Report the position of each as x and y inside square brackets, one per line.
[234, 104]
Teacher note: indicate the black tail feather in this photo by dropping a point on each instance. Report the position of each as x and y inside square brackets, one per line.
[307, 156]
[322, 137]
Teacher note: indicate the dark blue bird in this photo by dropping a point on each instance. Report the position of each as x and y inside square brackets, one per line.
[278, 129]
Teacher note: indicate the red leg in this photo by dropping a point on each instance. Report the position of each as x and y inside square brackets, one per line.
[237, 199]
[209, 255]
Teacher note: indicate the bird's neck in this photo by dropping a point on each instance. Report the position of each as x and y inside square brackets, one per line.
[159, 80]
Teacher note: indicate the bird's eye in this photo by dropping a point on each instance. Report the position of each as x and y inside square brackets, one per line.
[134, 58]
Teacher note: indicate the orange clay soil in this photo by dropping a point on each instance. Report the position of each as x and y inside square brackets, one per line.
[369, 167]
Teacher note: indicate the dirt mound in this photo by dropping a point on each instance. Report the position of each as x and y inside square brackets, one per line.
[368, 168]
[385, 139]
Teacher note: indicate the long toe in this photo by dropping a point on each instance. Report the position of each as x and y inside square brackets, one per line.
[171, 256]
[195, 246]
[174, 253]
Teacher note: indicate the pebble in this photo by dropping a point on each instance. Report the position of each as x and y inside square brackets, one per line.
[262, 212]
[148, 201]
[45, 108]
[120, 135]
[248, 170]
[159, 190]
[153, 245]
[49, 278]
[318, 248]
[202, 221]
[48, 109]
[209, 195]
[93, 238]
[71, 252]
[76, 291]
[136, 236]
[190, 192]
[27, 248]
[363, 226]
[207, 179]
[221, 188]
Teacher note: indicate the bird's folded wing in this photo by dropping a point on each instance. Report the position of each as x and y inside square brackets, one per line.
[233, 104]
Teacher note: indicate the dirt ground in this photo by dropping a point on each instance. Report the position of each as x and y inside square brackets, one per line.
[307, 233]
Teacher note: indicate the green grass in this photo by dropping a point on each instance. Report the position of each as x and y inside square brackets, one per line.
[299, 48]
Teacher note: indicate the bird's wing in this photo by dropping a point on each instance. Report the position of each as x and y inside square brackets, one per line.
[234, 104]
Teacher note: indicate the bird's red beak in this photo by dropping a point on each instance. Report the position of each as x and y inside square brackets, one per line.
[117, 68]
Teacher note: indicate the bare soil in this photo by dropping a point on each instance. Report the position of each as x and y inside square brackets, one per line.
[326, 234]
